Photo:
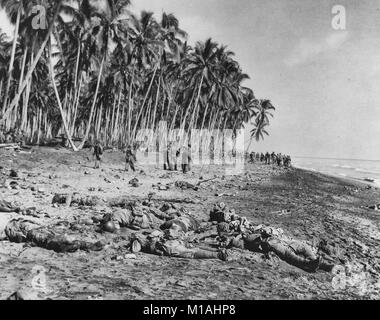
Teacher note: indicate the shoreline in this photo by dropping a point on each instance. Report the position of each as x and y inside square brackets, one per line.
[347, 179]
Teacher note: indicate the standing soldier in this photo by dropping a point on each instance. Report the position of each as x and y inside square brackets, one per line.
[279, 159]
[186, 159]
[98, 152]
[273, 158]
[177, 159]
[267, 158]
[130, 159]
[168, 165]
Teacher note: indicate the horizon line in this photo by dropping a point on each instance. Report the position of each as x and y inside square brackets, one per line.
[326, 158]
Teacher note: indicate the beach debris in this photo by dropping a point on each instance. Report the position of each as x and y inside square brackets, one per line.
[13, 174]
[282, 212]
[183, 185]
[14, 185]
[70, 199]
[32, 212]
[134, 183]
[161, 187]
[375, 207]
[151, 195]
[107, 180]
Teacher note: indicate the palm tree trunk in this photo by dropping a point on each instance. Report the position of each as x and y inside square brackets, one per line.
[76, 107]
[22, 69]
[116, 122]
[174, 118]
[130, 104]
[59, 101]
[249, 145]
[7, 88]
[146, 96]
[183, 121]
[204, 116]
[147, 114]
[156, 104]
[100, 116]
[93, 106]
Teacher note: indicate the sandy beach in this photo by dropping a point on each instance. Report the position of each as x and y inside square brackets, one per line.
[306, 205]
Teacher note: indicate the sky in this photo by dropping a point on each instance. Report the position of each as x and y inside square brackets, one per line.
[323, 82]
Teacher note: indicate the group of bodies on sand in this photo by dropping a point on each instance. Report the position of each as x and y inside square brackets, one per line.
[167, 230]
[12, 136]
[270, 158]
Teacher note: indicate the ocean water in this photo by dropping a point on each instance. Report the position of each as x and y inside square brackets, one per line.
[362, 170]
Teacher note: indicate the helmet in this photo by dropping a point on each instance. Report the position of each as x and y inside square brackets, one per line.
[109, 227]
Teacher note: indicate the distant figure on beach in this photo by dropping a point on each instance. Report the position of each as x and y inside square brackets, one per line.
[63, 140]
[186, 159]
[279, 159]
[267, 158]
[252, 157]
[273, 157]
[169, 159]
[257, 156]
[98, 152]
[130, 159]
[287, 161]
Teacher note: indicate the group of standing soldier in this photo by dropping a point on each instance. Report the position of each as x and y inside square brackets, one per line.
[175, 157]
[130, 156]
[271, 158]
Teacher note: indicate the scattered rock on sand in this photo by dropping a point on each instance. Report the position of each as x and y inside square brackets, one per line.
[135, 183]
[14, 174]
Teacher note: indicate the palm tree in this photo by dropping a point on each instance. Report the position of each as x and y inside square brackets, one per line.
[54, 12]
[261, 121]
[113, 72]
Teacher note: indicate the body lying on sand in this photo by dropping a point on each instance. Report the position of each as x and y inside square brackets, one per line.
[170, 233]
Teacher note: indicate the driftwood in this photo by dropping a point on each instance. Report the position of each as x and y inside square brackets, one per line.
[208, 180]
[9, 146]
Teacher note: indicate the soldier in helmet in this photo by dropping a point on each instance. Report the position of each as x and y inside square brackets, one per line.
[130, 159]
[98, 152]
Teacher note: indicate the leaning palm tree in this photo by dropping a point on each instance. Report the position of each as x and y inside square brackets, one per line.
[261, 121]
